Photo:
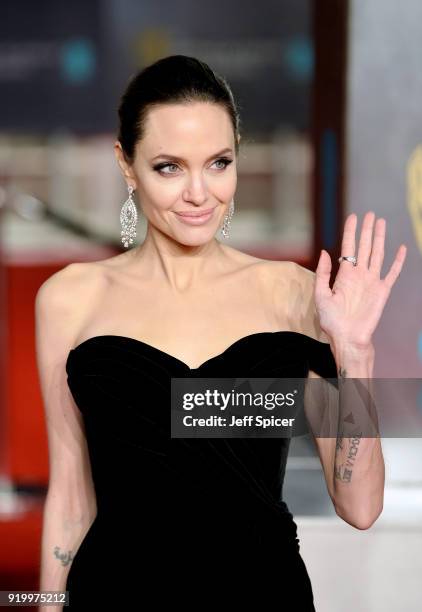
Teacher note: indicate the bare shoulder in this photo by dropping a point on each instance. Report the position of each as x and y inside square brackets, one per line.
[64, 299]
[305, 278]
[278, 269]
[297, 284]
[277, 274]
[59, 288]
[240, 258]
[264, 269]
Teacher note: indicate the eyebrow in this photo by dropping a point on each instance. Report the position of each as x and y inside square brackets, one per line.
[174, 157]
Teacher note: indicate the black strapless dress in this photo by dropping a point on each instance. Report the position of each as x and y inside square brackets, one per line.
[184, 522]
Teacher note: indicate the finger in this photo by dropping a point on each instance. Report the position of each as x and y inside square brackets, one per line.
[377, 254]
[348, 242]
[365, 242]
[396, 266]
[322, 276]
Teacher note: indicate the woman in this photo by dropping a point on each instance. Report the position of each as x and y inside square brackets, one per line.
[132, 513]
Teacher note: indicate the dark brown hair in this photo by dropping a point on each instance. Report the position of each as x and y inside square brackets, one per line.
[170, 80]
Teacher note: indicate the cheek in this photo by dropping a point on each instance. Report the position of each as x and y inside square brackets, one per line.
[232, 182]
[161, 194]
[222, 187]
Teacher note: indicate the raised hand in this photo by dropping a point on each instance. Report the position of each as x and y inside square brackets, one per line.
[351, 310]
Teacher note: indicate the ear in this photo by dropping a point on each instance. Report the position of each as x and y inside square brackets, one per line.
[124, 166]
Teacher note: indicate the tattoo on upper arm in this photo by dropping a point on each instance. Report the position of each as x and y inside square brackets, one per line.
[65, 557]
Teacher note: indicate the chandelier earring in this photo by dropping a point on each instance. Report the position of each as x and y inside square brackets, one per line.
[128, 219]
[225, 230]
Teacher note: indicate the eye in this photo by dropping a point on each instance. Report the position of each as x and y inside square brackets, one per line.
[225, 161]
[160, 167]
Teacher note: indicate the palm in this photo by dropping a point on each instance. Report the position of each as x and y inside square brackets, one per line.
[352, 308]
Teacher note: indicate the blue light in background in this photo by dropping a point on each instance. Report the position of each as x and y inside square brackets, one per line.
[299, 58]
[78, 60]
[420, 345]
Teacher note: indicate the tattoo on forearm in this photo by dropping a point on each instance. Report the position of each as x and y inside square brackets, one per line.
[65, 557]
[344, 471]
[339, 441]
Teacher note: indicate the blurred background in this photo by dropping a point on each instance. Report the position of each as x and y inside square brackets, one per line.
[330, 95]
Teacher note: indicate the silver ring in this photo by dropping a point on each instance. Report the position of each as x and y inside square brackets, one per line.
[351, 258]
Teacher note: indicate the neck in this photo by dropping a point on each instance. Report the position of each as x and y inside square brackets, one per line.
[178, 265]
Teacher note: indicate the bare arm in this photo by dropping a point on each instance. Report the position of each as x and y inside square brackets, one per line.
[70, 505]
[358, 500]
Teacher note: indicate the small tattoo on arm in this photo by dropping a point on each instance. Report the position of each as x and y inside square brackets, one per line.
[347, 475]
[339, 442]
[344, 471]
[65, 557]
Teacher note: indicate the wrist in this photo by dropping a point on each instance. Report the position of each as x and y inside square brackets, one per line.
[349, 357]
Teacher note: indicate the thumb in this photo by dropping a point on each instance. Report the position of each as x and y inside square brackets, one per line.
[322, 275]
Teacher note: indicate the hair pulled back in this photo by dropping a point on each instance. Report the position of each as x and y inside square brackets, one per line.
[170, 80]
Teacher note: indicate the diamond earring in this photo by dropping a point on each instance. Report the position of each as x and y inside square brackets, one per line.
[128, 219]
[225, 230]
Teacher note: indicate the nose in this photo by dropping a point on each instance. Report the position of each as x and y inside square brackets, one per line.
[197, 191]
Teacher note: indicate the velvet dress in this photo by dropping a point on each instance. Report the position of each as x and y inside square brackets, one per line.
[186, 522]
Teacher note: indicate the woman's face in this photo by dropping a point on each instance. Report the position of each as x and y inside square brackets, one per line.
[186, 162]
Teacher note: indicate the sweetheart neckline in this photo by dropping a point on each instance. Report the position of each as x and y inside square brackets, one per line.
[176, 359]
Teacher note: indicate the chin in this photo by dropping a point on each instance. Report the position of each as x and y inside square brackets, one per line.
[195, 238]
